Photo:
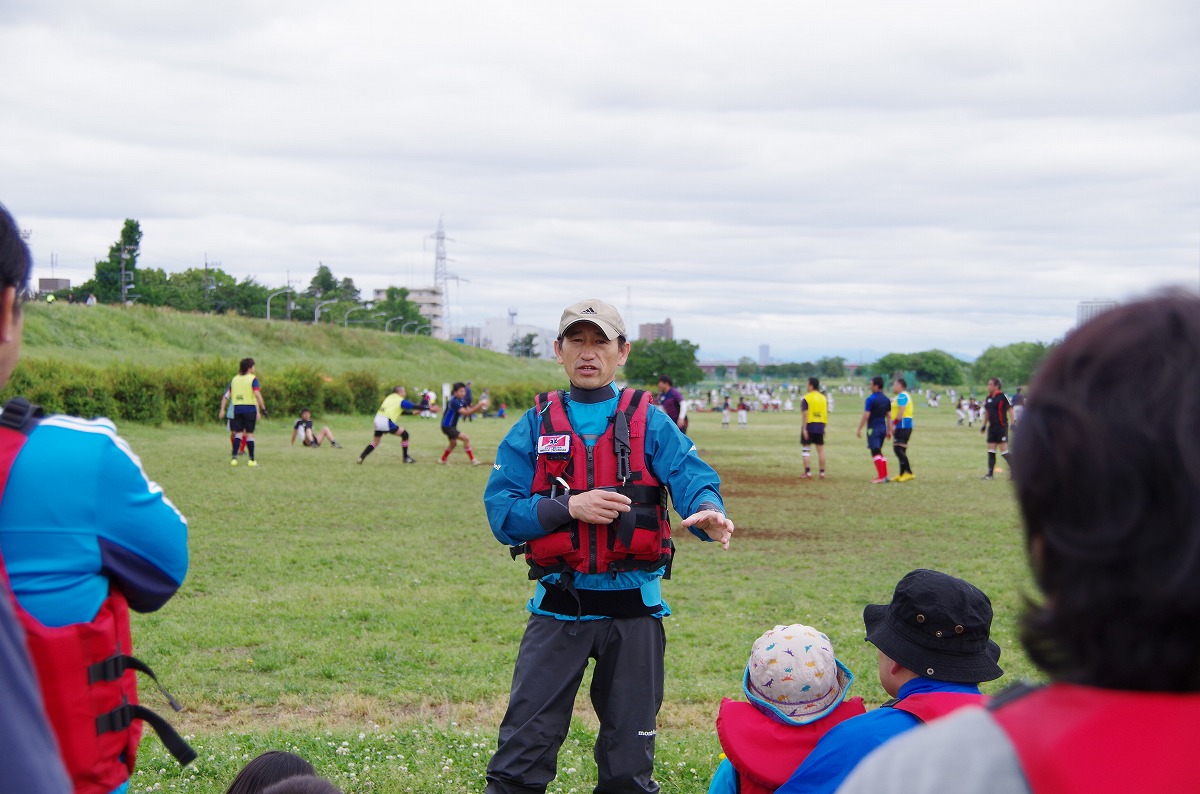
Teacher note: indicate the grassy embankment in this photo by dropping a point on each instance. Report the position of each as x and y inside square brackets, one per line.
[105, 335]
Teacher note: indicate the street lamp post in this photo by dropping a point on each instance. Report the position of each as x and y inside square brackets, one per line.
[388, 325]
[321, 305]
[346, 317]
[413, 323]
[275, 295]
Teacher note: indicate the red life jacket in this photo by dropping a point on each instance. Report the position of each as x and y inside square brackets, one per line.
[641, 538]
[927, 706]
[85, 671]
[764, 752]
[1072, 739]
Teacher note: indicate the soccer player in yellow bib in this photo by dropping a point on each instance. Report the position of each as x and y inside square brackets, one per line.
[902, 427]
[814, 413]
[246, 396]
[387, 420]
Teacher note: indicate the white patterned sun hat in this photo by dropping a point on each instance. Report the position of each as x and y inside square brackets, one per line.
[793, 676]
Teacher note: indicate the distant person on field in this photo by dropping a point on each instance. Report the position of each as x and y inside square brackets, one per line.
[672, 403]
[934, 647]
[458, 407]
[997, 417]
[91, 300]
[1018, 406]
[502, 412]
[814, 414]
[304, 428]
[1114, 547]
[743, 414]
[267, 769]
[795, 692]
[28, 754]
[901, 427]
[725, 414]
[408, 407]
[85, 536]
[246, 396]
[227, 410]
[875, 420]
[387, 420]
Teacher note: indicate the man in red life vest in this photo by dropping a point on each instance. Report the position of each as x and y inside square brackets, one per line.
[580, 487]
[1114, 543]
[934, 649]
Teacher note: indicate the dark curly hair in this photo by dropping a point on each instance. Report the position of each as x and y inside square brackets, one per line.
[1107, 471]
[15, 261]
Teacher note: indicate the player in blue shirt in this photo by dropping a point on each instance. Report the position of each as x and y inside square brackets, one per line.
[875, 418]
[458, 407]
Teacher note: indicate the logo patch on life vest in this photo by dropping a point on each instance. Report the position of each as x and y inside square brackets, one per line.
[554, 445]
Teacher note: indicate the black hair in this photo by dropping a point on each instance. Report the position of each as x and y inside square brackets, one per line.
[903, 383]
[997, 381]
[15, 261]
[245, 365]
[666, 379]
[303, 785]
[877, 381]
[457, 385]
[816, 384]
[270, 767]
[1112, 506]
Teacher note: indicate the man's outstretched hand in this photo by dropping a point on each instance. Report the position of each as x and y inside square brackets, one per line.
[716, 525]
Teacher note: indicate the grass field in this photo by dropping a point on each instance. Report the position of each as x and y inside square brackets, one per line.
[365, 617]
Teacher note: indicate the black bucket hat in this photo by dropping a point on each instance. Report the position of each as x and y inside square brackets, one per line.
[937, 626]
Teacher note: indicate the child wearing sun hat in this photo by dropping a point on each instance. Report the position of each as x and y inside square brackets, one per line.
[795, 691]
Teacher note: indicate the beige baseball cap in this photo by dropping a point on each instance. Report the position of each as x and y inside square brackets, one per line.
[595, 311]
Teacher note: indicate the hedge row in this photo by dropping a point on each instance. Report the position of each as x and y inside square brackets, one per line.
[192, 393]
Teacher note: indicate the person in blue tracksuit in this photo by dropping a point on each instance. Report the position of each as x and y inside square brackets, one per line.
[627, 685]
[78, 515]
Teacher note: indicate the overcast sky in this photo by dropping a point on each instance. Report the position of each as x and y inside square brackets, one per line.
[825, 178]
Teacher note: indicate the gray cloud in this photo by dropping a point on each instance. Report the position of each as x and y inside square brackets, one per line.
[868, 177]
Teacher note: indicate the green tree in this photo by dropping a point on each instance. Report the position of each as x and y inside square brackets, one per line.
[675, 358]
[397, 305]
[106, 283]
[890, 364]
[746, 367]
[523, 346]
[1014, 364]
[323, 283]
[832, 367]
[937, 366]
[719, 371]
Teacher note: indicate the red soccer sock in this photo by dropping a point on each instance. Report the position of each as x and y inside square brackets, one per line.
[445, 454]
[470, 454]
[243, 443]
[881, 467]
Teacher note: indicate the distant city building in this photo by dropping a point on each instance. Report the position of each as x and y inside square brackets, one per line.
[429, 303]
[52, 285]
[709, 368]
[471, 335]
[499, 333]
[654, 331]
[1093, 308]
[764, 355]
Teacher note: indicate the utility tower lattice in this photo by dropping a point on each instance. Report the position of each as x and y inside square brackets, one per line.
[441, 277]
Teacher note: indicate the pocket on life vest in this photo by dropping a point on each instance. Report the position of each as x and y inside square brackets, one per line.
[549, 548]
[646, 542]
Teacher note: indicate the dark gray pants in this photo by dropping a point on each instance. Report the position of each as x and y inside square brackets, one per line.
[627, 691]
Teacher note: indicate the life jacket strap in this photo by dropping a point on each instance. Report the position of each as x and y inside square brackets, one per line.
[114, 667]
[123, 716]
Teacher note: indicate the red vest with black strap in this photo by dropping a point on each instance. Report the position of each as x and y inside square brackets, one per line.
[639, 539]
[1071, 739]
[927, 706]
[765, 752]
[87, 676]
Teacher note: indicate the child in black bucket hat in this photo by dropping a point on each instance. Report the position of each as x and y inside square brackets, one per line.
[934, 650]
